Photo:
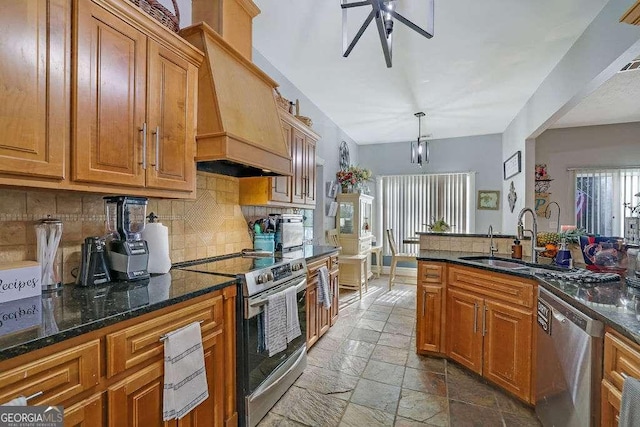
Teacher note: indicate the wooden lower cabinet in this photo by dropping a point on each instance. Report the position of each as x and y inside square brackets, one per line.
[429, 327]
[464, 334]
[320, 319]
[507, 347]
[74, 374]
[621, 358]
[86, 413]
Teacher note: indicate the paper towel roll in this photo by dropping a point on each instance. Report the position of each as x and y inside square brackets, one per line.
[157, 237]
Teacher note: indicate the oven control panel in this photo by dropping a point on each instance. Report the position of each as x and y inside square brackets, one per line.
[260, 280]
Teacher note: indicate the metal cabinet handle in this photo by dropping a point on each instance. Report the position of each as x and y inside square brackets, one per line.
[424, 302]
[484, 321]
[157, 156]
[34, 395]
[475, 317]
[144, 145]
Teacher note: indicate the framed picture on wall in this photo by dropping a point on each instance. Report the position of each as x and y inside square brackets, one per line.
[512, 166]
[489, 200]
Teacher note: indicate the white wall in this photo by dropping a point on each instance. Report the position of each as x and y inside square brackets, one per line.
[327, 147]
[599, 146]
[604, 47]
[480, 154]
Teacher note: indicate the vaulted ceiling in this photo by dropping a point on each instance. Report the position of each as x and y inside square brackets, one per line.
[485, 60]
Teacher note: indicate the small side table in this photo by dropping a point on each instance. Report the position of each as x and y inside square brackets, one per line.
[378, 251]
[360, 279]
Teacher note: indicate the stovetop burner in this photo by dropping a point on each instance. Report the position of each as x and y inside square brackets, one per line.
[580, 275]
[257, 272]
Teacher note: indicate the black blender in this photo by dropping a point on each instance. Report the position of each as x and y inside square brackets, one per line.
[128, 254]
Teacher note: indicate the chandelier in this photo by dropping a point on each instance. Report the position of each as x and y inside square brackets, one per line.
[420, 147]
[383, 11]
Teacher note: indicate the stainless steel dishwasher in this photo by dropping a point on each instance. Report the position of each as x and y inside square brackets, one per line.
[569, 364]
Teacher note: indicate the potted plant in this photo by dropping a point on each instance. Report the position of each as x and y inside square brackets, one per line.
[439, 226]
[352, 178]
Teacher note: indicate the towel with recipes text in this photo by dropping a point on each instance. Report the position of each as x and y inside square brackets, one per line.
[185, 377]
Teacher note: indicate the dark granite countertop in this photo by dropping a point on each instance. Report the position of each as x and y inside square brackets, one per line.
[495, 236]
[33, 323]
[621, 311]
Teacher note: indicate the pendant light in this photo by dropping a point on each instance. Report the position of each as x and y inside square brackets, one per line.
[420, 147]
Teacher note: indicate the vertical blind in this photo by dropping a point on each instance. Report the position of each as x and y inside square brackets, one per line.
[600, 195]
[410, 202]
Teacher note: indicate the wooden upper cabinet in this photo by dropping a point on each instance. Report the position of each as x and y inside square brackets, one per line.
[310, 171]
[297, 155]
[109, 103]
[171, 133]
[134, 108]
[34, 119]
[632, 16]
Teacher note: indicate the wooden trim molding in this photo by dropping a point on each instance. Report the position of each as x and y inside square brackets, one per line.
[632, 16]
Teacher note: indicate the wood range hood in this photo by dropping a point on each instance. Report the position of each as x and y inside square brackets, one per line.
[239, 131]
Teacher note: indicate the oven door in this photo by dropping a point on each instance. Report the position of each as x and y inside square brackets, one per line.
[268, 378]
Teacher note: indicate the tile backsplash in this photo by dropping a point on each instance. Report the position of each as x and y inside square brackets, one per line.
[212, 224]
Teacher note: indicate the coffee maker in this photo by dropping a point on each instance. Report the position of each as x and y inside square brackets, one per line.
[128, 254]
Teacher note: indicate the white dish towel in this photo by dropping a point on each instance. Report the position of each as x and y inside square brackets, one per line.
[275, 324]
[18, 401]
[293, 322]
[185, 377]
[324, 296]
[630, 403]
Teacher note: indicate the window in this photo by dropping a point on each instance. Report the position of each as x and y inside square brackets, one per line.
[600, 198]
[410, 202]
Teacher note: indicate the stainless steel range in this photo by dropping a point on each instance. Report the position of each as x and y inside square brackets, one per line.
[262, 380]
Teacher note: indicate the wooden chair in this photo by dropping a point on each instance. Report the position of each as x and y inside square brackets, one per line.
[396, 257]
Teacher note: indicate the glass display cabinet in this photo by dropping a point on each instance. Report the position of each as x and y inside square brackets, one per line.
[354, 224]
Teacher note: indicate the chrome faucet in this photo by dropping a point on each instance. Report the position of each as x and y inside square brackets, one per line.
[547, 214]
[492, 248]
[534, 232]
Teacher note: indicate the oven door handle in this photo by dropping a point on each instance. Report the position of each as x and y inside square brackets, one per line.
[273, 381]
[258, 302]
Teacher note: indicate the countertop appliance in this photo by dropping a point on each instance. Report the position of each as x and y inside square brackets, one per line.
[93, 265]
[289, 231]
[262, 380]
[128, 254]
[568, 370]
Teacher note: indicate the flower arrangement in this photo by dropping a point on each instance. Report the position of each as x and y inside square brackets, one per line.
[353, 175]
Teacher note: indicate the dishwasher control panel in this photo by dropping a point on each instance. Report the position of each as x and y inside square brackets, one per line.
[544, 316]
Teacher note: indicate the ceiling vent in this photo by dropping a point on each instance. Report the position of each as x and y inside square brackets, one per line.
[631, 66]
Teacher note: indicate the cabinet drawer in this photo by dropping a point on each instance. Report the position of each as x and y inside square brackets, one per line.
[59, 376]
[497, 286]
[314, 266]
[621, 356]
[334, 262]
[364, 246]
[430, 273]
[141, 343]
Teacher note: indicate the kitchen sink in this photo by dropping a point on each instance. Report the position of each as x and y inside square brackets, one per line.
[497, 262]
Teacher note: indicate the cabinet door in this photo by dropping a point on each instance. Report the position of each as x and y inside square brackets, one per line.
[281, 185]
[429, 318]
[310, 171]
[312, 315]
[109, 104]
[464, 329]
[335, 302]
[171, 133]
[610, 405]
[297, 156]
[136, 401]
[86, 413]
[34, 86]
[324, 315]
[507, 347]
[211, 411]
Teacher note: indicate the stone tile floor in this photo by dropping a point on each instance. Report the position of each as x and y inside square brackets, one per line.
[365, 372]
